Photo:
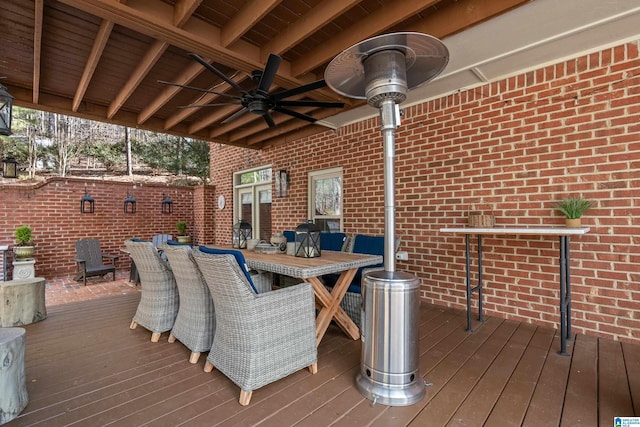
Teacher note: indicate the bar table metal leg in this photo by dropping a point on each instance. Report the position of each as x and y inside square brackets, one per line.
[565, 296]
[478, 288]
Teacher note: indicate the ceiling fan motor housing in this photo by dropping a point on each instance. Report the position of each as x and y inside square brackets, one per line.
[385, 76]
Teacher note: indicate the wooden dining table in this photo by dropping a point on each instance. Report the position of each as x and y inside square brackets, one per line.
[310, 270]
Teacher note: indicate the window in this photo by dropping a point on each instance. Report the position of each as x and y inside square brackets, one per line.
[325, 199]
[252, 200]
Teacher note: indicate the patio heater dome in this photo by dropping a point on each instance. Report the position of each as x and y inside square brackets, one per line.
[381, 70]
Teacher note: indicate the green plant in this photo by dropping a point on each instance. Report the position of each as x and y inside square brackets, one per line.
[573, 207]
[181, 226]
[23, 235]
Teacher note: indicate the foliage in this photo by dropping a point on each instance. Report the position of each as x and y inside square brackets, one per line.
[573, 207]
[110, 155]
[181, 226]
[178, 155]
[23, 235]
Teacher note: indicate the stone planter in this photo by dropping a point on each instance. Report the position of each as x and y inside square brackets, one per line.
[24, 251]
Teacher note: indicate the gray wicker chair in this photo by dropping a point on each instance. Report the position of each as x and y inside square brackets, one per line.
[159, 301]
[196, 322]
[260, 338]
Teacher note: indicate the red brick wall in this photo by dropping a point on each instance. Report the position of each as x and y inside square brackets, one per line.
[518, 146]
[52, 210]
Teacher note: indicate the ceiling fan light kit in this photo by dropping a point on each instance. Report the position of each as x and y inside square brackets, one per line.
[382, 70]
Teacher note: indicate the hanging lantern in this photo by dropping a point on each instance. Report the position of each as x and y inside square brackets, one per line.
[87, 204]
[129, 204]
[6, 105]
[167, 204]
[307, 240]
[241, 232]
[10, 167]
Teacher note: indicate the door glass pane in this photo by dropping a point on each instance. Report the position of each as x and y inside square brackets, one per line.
[246, 207]
[264, 214]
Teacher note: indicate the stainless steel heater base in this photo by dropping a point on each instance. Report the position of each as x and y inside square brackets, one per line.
[389, 369]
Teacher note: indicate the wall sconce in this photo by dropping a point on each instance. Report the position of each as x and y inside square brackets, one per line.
[282, 183]
[6, 105]
[10, 167]
[167, 204]
[87, 204]
[129, 204]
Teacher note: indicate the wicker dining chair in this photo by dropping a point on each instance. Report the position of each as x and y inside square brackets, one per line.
[159, 300]
[196, 322]
[260, 338]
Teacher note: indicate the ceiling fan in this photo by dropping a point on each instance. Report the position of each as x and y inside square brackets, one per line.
[259, 101]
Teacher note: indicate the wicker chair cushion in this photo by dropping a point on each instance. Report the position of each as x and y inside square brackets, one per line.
[290, 235]
[172, 242]
[332, 241]
[135, 239]
[239, 258]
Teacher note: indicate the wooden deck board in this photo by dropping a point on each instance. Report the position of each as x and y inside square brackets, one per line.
[86, 367]
[613, 387]
[581, 400]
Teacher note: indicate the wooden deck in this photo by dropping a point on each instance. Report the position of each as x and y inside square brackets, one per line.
[86, 367]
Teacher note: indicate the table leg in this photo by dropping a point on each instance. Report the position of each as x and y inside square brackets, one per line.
[330, 306]
[565, 296]
[478, 288]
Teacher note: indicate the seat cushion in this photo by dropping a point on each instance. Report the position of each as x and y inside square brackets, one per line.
[332, 241]
[239, 258]
[172, 242]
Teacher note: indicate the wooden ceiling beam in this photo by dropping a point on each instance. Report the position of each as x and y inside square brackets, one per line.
[182, 12]
[375, 23]
[37, 47]
[99, 43]
[304, 27]
[252, 12]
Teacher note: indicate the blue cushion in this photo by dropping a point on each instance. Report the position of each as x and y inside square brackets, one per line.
[363, 244]
[239, 258]
[171, 242]
[290, 235]
[332, 241]
[135, 239]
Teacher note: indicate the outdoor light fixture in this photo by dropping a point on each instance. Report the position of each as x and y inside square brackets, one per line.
[129, 204]
[307, 240]
[87, 204]
[240, 233]
[6, 105]
[167, 204]
[10, 167]
[282, 183]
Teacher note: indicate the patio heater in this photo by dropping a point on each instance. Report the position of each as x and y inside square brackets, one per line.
[382, 70]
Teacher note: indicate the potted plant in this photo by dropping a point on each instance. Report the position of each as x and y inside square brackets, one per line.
[24, 244]
[183, 237]
[573, 208]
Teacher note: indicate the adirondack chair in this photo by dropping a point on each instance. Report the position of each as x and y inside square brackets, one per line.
[90, 261]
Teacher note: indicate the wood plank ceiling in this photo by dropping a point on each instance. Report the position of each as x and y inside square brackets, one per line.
[103, 59]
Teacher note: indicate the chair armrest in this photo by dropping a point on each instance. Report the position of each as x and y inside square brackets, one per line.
[79, 260]
[113, 258]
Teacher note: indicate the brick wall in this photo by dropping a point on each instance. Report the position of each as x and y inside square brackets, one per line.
[52, 210]
[515, 146]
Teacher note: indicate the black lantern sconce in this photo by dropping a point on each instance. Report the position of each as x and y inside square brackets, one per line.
[167, 204]
[87, 204]
[129, 204]
[6, 106]
[307, 240]
[240, 233]
[10, 167]
[282, 183]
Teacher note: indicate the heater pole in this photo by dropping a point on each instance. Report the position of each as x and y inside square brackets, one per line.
[389, 120]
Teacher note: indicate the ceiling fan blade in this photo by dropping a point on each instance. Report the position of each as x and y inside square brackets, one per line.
[235, 115]
[221, 104]
[199, 89]
[309, 103]
[267, 118]
[298, 90]
[295, 114]
[217, 72]
[269, 73]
